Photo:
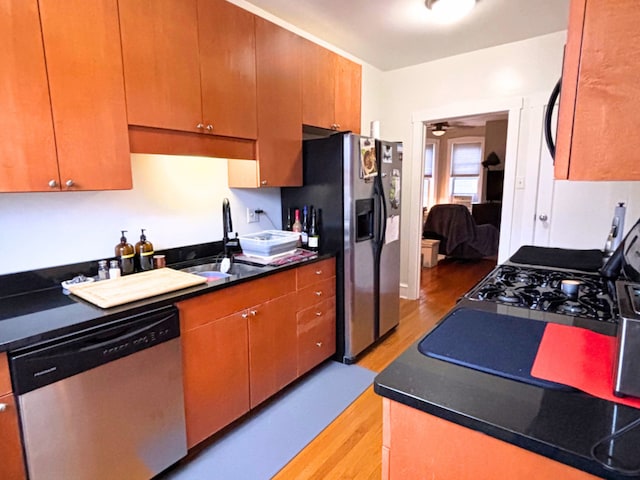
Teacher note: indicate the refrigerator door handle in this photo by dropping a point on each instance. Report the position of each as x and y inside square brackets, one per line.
[381, 210]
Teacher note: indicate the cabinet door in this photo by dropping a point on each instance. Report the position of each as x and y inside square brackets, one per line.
[597, 134]
[279, 77]
[228, 69]
[84, 66]
[216, 375]
[27, 146]
[161, 63]
[11, 452]
[11, 463]
[272, 347]
[318, 85]
[348, 96]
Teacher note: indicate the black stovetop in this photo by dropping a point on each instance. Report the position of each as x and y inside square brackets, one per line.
[540, 290]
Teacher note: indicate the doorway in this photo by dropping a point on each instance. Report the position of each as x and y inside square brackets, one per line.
[510, 107]
[464, 161]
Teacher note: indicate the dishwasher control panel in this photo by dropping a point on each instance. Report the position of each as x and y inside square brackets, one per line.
[42, 365]
[144, 340]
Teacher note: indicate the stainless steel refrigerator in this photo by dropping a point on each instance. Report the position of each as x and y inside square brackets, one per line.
[353, 182]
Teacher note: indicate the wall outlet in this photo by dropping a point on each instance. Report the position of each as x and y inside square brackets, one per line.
[252, 216]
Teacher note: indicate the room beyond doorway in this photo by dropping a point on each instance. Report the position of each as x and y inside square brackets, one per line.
[410, 268]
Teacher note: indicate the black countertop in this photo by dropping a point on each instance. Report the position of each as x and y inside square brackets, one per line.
[33, 316]
[558, 424]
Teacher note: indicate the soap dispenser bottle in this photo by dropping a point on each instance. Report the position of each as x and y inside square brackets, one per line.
[125, 255]
[144, 254]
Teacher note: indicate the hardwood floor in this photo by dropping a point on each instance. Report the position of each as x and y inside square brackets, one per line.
[350, 447]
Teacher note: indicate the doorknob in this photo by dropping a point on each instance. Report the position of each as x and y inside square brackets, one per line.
[543, 217]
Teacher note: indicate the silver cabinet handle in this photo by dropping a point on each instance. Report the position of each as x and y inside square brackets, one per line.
[200, 126]
[69, 183]
[209, 127]
[319, 344]
[318, 272]
[318, 293]
[53, 183]
[263, 182]
[318, 314]
[3, 407]
[253, 313]
[245, 315]
[543, 217]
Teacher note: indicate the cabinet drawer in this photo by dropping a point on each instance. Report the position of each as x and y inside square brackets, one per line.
[316, 334]
[5, 380]
[316, 293]
[207, 308]
[310, 274]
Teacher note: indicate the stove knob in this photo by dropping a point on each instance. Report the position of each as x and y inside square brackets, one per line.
[543, 217]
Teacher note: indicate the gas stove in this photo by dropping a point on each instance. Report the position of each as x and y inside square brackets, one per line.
[560, 296]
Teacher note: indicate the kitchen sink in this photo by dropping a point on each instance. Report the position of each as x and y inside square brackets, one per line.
[210, 269]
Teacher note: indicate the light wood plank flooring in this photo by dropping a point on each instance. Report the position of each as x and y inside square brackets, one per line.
[350, 447]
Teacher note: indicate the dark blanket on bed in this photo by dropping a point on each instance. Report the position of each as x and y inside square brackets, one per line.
[458, 233]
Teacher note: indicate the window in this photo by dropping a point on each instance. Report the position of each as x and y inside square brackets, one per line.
[465, 173]
[428, 188]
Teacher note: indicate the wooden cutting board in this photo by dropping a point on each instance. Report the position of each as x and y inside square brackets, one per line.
[118, 291]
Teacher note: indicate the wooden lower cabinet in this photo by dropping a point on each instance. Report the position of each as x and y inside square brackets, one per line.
[418, 445]
[11, 460]
[316, 334]
[316, 313]
[216, 376]
[243, 344]
[272, 347]
[219, 385]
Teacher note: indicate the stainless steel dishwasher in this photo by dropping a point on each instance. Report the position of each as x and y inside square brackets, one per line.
[106, 403]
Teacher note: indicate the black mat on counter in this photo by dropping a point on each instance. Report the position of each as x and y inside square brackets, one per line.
[586, 260]
[492, 343]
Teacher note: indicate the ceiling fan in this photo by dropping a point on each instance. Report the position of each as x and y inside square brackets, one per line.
[440, 128]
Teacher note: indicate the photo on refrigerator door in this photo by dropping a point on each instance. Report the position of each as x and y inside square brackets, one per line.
[394, 189]
[387, 151]
[368, 163]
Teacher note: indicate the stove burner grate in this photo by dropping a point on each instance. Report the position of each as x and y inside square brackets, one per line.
[538, 289]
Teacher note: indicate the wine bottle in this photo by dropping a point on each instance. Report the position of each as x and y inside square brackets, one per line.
[289, 225]
[297, 226]
[304, 237]
[314, 234]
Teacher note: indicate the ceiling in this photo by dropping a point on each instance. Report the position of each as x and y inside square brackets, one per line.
[391, 34]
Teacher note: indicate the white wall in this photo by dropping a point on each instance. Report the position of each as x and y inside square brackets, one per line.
[507, 71]
[178, 200]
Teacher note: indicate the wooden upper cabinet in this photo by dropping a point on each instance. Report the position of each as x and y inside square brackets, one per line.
[84, 66]
[318, 85]
[161, 63]
[190, 66]
[228, 69]
[348, 99]
[331, 89]
[27, 145]
[279, 90]
[83, 71]
[597, 134]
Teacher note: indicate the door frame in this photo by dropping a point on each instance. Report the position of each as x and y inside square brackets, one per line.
[512, 105]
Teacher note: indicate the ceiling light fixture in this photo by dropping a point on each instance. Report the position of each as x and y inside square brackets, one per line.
[438, 130]
[448, 11]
